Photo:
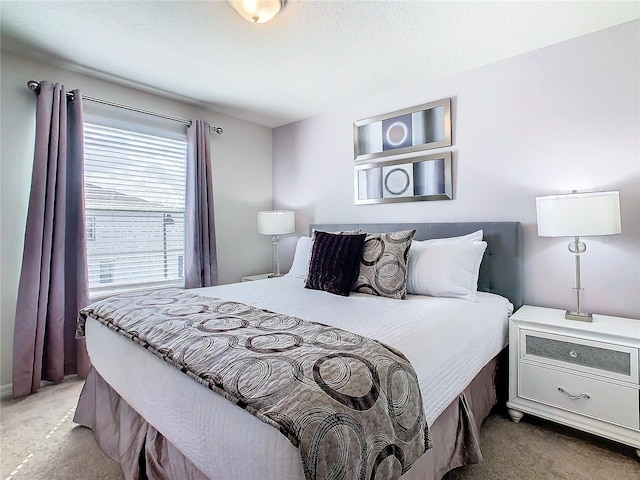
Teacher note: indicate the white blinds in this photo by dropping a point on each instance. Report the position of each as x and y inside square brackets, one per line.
[135, 197]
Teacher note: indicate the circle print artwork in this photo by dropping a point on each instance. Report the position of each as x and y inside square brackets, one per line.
[397, 181]
[397, 134]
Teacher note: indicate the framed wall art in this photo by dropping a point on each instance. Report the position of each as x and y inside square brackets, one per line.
[427, 177]
[413, 129]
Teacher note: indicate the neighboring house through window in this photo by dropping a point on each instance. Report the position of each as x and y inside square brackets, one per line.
[134, 200]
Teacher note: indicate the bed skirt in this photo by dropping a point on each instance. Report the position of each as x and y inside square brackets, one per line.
[143, 453]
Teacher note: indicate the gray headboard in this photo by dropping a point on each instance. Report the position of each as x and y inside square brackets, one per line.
[500, 271]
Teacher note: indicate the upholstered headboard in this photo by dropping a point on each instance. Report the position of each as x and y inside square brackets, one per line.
[500, 271]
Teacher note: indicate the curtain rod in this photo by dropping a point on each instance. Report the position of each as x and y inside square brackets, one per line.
[35, 86]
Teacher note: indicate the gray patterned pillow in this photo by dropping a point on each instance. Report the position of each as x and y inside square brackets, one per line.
[383, 267]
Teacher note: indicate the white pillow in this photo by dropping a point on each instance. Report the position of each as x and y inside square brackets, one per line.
[300, 266]
[472, 237]
[445, 270]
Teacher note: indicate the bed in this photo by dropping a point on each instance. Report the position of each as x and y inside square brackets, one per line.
[159, 423]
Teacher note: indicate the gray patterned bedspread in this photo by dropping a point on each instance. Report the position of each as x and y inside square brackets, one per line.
[351, 405]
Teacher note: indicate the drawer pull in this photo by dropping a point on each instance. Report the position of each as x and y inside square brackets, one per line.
[573, 354]
[574, 397]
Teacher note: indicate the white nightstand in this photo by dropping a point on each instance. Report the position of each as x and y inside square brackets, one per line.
[580, 374]
[260, 276]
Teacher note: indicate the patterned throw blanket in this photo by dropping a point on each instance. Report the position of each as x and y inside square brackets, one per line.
[351, 405]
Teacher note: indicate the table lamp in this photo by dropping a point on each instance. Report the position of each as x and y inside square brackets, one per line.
[578, 215]
[275, 223]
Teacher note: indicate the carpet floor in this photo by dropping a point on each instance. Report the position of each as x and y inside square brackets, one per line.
[39, 441]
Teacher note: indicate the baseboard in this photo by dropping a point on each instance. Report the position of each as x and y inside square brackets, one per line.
[6, 390]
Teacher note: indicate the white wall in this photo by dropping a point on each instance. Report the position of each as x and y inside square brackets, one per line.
[560, 118]
[241, 169]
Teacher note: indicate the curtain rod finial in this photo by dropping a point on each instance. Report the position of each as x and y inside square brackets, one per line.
[33, 85]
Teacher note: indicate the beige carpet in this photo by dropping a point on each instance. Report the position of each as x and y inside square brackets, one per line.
[39, 441]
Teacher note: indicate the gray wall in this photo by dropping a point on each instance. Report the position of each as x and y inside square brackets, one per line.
[242, 177]
[560, 118]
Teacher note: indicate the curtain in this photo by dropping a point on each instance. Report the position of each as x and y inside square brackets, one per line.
[53, 280]
[201, 264]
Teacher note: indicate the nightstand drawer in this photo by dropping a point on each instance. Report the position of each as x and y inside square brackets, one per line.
[586, 396]
[612, 361]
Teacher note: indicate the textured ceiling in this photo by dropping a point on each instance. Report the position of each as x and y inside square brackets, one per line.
[310, 59]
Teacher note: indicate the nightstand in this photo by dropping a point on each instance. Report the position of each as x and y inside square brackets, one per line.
[260, 276]
[581, 374]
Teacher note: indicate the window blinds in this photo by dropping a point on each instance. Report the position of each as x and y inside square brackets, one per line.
[134, 201]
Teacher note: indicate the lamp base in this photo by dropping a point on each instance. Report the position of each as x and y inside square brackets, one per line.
[582, 317]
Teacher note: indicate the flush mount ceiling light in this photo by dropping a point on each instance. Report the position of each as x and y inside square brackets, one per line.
[257, 11]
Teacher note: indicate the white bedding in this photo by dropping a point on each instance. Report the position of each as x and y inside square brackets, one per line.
[447, 340]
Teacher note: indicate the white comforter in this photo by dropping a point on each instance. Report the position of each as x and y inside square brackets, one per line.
[447, 341]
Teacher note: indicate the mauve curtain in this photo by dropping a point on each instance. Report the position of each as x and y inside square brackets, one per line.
[201, 264]
[53, 281]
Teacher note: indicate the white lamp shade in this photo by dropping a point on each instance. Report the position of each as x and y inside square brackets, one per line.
[579, 214]
[276, 222]
[257, 11]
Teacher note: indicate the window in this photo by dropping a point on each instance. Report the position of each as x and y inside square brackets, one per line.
[91, 228]
[134, 200]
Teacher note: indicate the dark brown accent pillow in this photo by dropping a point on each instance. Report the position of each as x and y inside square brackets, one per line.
[383, 267]
[334, 262]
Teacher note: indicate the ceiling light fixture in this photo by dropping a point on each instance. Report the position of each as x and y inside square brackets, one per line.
[257, 11]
